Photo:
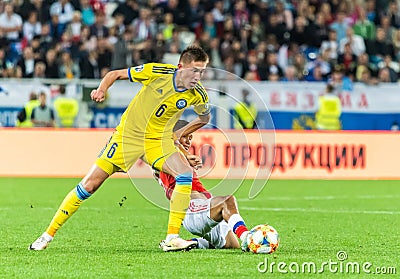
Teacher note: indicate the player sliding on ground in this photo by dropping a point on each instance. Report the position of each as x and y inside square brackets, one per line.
[145, 131]
[215, 219]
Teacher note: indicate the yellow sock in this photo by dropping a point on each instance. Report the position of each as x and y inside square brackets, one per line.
[179, 203]
[68, 207]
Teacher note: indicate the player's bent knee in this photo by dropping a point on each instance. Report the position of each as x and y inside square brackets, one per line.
[231, 200]
[94, 179]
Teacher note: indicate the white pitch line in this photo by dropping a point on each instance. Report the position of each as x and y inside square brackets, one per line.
[317, 210]
[322, 198]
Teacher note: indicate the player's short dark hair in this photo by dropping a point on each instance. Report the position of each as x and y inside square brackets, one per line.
[193, 53]
[180, 124]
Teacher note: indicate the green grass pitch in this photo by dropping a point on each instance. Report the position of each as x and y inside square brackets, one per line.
[315, 220]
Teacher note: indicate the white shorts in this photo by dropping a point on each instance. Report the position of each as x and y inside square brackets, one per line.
[198, 222]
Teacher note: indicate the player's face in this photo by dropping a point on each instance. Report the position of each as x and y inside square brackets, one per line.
[190, 74]
[186, 141]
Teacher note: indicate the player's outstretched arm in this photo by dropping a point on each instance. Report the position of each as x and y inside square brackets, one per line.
[193, 125]
[98, 95]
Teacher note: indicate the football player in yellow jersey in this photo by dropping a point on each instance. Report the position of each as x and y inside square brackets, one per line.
[145, 132]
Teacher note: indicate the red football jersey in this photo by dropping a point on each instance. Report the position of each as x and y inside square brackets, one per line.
[168, 182]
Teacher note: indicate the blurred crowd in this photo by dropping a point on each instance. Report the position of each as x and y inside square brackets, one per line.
[275, 40]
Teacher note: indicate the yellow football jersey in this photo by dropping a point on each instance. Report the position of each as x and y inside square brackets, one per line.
[154, 111]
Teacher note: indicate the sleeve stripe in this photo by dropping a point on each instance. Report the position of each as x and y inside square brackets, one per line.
[129, 74]
[163, 67]
[163, 71]
[202, 92]
[203, 96]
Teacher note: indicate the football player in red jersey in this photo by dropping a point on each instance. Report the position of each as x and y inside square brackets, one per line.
[215, 219]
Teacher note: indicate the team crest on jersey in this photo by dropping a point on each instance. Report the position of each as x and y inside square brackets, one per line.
[181, 103]
[138, 69]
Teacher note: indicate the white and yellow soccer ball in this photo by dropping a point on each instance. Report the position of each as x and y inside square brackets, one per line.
[263, 239]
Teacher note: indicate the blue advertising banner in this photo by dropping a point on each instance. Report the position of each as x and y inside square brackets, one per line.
[8, 116]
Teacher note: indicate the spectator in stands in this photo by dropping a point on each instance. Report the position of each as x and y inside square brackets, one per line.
[245, 38]
[290, 74]
[301, 33]
[87, 42]
[272, 67]
[240, 13]
[378, 48]
[385, 25]
[371, 10]
[315, 74]
[367, 79]
[299, 62]
[340, 25]
[214, 54]
[364, 65]
[46, 40]
[27, 63]
[340, 81]
[39, 6]
[251, 68]
[230, 69]
[167, 27]
[66, 108]
[245, 113]
[392, 13]
[326, 11]
[322, 61]
[356, 42]
[128, 8]
[31, 27]
[51, 64]
[64, 11]
[347, 60]
[119, 25]
[104, 53]
[331, 45]
[257, 29]
[122, 51]
[285, 14]
[43, 115]
[56, 29]
[99, 29]
[238, 58]
[319, 29]
[67, 67]
[210, 26]
[177, 9]
[384, 75]
[329, 110]
[144, 27]
[363, 26]
[40, 70]
[218, 11]
[10, 23]
[38, 51]
[87, 13]
[278, 29]
[88, 65]
[74, 27]
[391, 66]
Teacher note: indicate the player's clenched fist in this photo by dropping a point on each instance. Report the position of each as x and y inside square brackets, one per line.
[98, 95]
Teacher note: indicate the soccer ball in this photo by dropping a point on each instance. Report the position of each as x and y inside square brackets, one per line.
[263, 239]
